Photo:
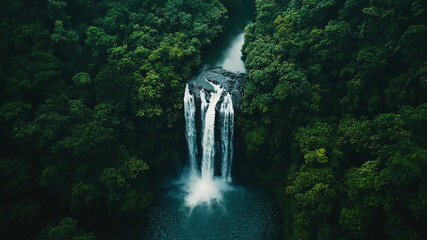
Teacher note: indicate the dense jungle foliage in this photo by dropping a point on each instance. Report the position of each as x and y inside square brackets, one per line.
[334, 111]
[336, 99]
[89, 93]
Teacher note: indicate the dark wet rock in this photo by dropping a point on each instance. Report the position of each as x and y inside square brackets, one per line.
[232, 83]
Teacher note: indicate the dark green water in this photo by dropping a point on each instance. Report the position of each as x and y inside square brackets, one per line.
[247, 212]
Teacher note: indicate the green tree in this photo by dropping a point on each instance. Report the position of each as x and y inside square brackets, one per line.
[67, 230]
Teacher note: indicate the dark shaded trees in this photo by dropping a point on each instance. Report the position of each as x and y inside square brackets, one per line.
[336, 95]
[90, 90]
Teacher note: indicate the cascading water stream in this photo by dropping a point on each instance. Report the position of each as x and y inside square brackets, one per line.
[208, 141]
[227, 131]
[190, 127]
[203, 186]
[203, 107]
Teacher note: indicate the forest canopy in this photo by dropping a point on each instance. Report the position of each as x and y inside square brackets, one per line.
[333, 115]
[336, 96]
[89, 91]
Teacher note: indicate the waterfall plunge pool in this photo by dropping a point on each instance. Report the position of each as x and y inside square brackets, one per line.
[242, 212]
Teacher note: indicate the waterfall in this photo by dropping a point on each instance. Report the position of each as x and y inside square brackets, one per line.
[203, 106]
[190, 127]
[227, 131]
[202, 186]
[208, 142]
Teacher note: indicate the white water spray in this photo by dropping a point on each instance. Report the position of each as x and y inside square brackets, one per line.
[190, 129]
[202, 186]
[227, 131]
[203, 107]
[208, 142]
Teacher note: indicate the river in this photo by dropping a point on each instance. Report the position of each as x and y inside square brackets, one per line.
[225, 51]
